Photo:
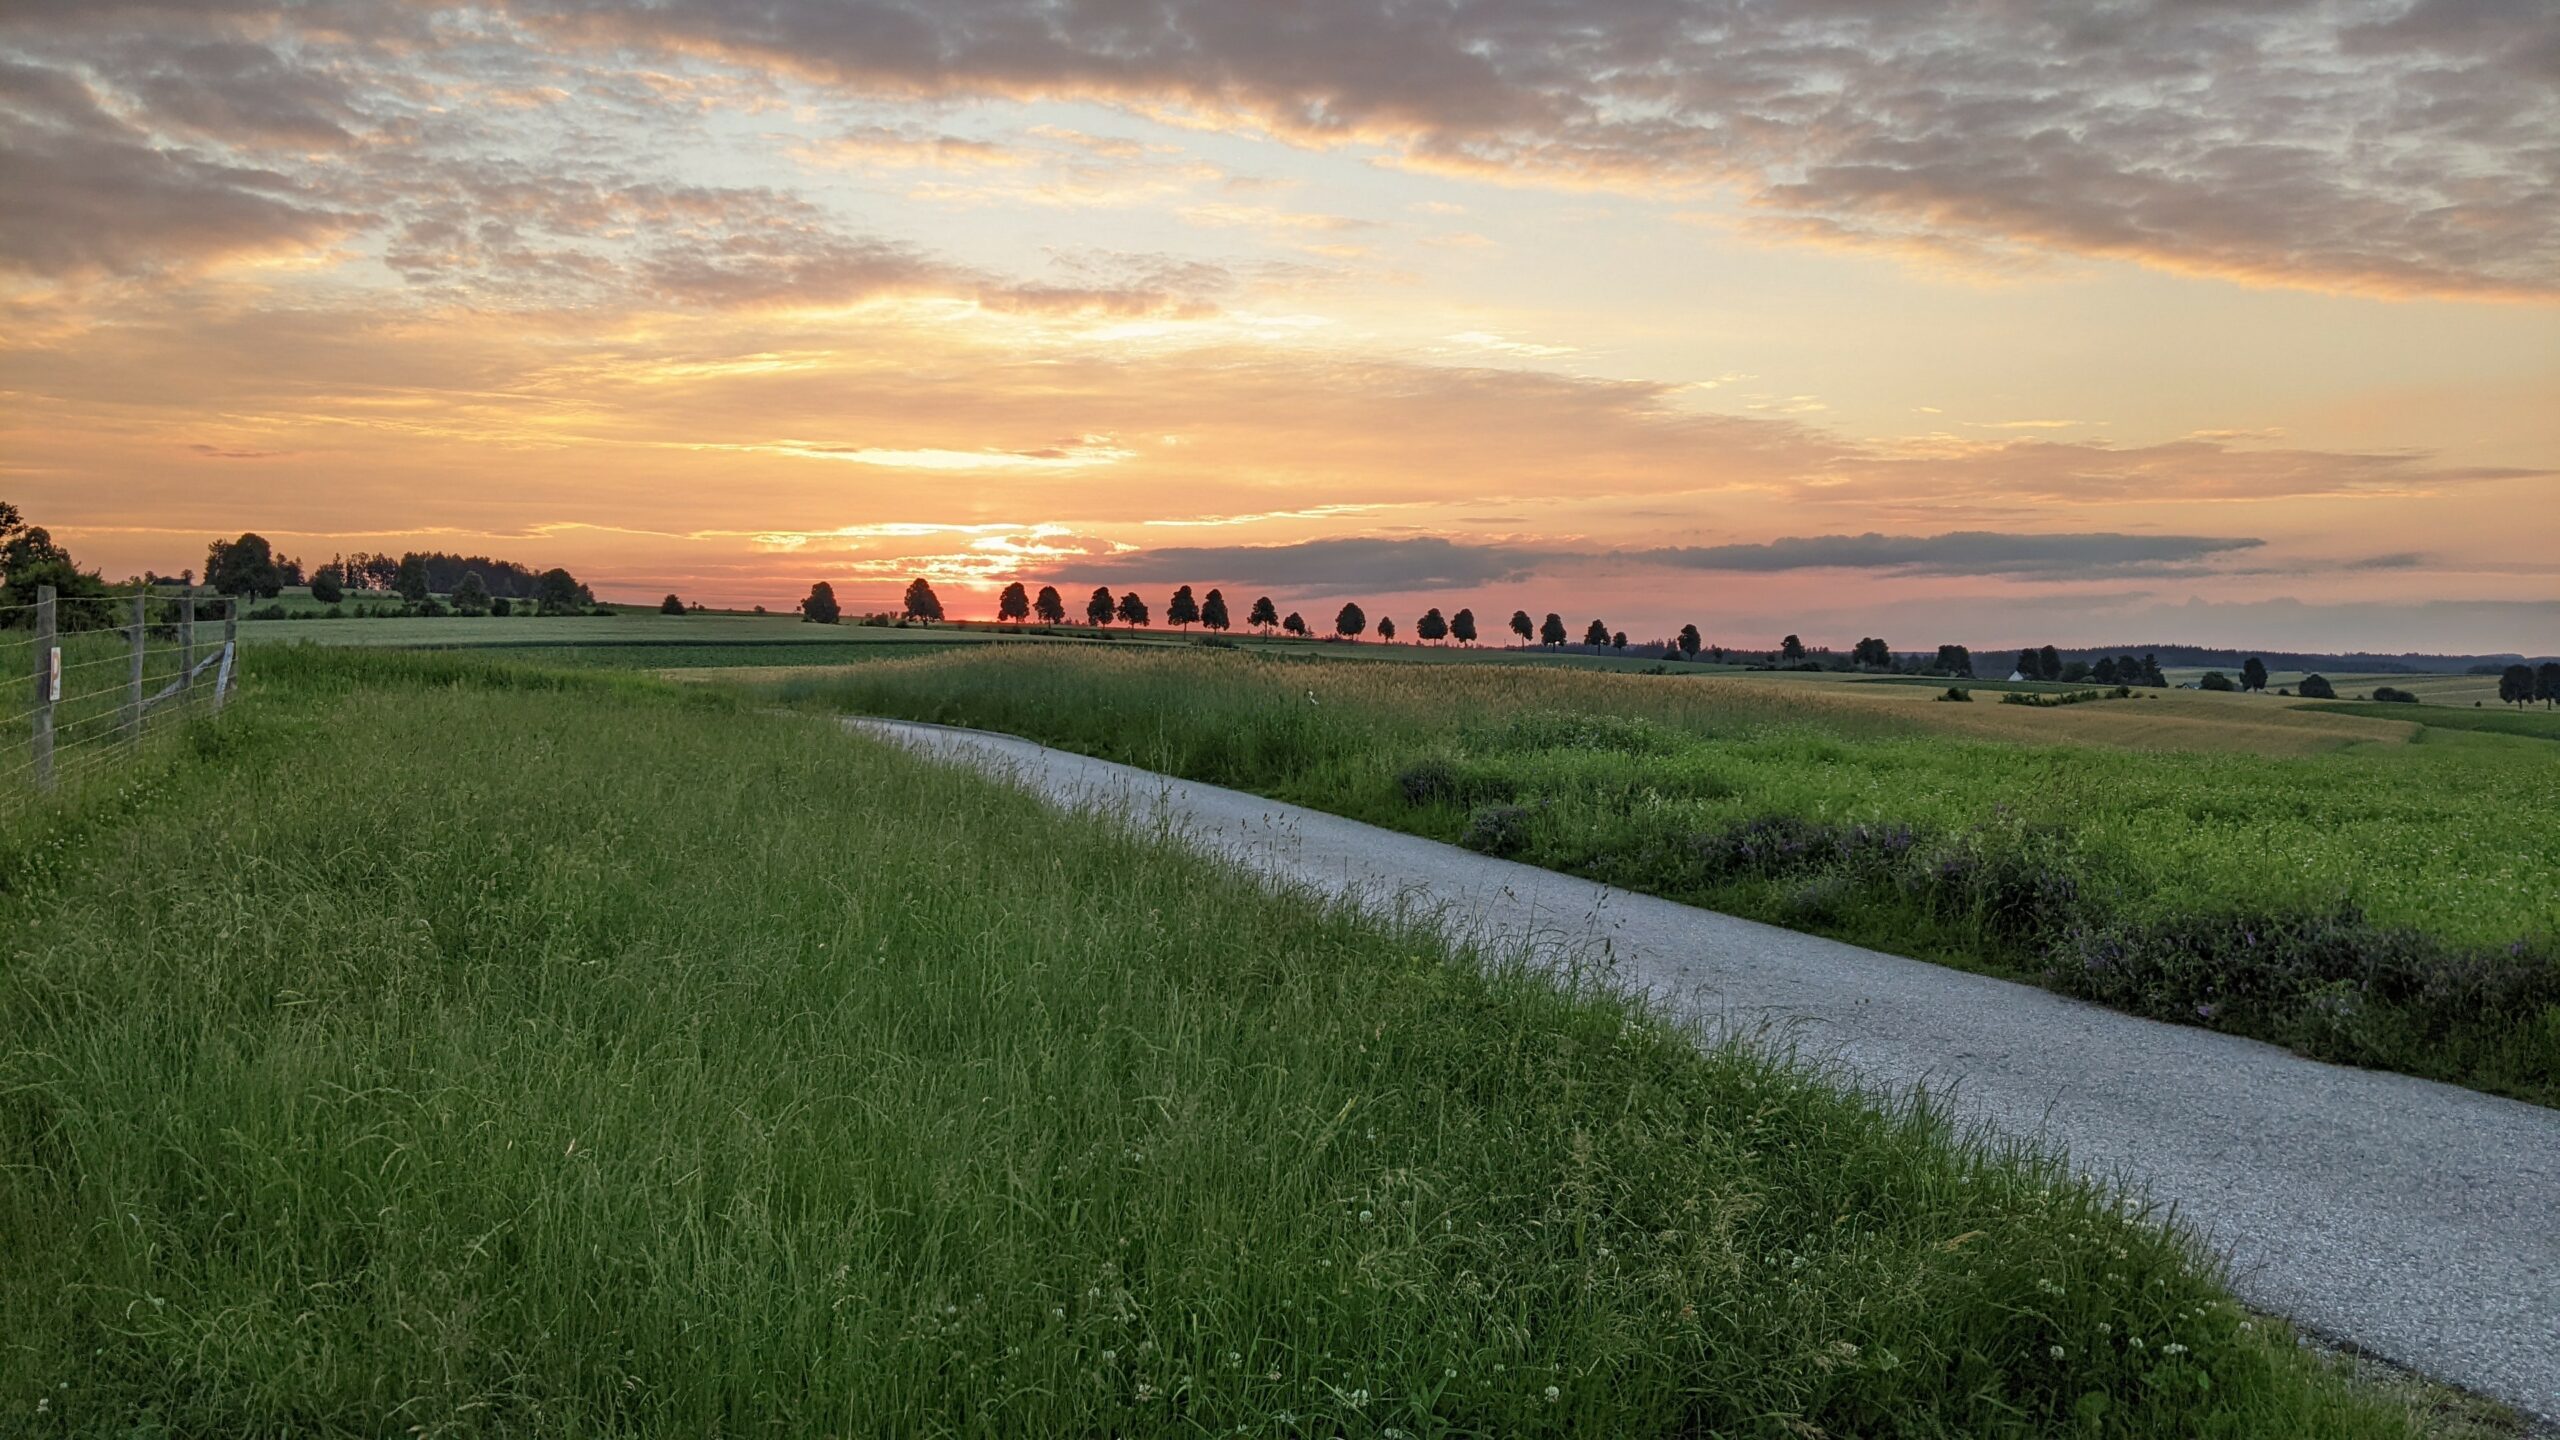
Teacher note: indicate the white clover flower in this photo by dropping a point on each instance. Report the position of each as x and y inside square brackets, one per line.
[2173, 1348]
[2055, 1351]
[1368, 1217]
[1554, 1394]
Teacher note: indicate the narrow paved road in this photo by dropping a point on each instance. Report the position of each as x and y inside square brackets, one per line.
[2417, 1221]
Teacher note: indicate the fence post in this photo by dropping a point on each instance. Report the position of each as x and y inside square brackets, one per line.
[133, 675]
[48, 674]
[230, 653]
[187, 646]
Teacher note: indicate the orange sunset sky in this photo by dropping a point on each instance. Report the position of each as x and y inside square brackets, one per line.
[2142, 321]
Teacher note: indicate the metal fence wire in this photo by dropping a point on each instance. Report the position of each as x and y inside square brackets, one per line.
[82, 678]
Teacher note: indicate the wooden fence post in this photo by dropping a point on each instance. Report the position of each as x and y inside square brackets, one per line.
[230, 653]
[187, 646]
[48, 675]
[133, 674]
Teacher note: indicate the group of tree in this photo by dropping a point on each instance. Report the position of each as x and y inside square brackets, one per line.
[2522, 685]
[30, 560]
[2046, 664]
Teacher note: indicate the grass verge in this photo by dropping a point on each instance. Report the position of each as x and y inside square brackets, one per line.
[454, 1049]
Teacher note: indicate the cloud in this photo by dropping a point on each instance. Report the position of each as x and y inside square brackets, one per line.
[1348, 563]
[2230, 140]
[1974, 552]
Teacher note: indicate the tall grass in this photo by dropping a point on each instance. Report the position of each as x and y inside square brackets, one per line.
[2412, 910]
[444, 1049]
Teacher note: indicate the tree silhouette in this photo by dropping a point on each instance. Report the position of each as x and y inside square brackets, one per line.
[2253, 674]
[1551, 629]
[820, 608]
[1872, 651]
[1521, 625]
[1595, 634]
[2515, 685]
[1098, 607]
[2546, 683]
[2214, 680]
[410, 581]
[921, 603]
[1296, 624]
[1133, 611]
[2048, 664]
[1433, 626]
[1182, 611]
[326, 587]
[1264, 615]
[1690, 641]
[1049, 606]
[2104, 672]
[246, 566]
[1213, 611]
[471, 594]
[1617, 639]
[2151, 675]
[2317, 687]
[1014, 605]
[1791, 648]
[558, 591]
[1462, 627]
[1955, 660]
[1349, 622]
[669, 606]
[1387, 628]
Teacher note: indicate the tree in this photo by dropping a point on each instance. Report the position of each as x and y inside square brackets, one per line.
[1872, 651]
[1213, 612]
[1098, 607]
[1133, 611]
[1049, 607]
[1349, 621]
[502, 607]
[1433, 626]
[1386, 629]
[2151, 675]
[1462, 627]
[2029, 667]
[821, 608]
[2214, 680]
[471, 595]
[2253, 674]
[30, 560]
[326, 587]
[1595, 634]
[1183, 610]
[1955, 660]
[1264, 615]
[1690, 641]
[246, 566]
[920, 602]
[1791, 648]
[1551, 630]
[1296, 624]
[669, 606]
[1522, 626]
[2048, 664]
[1617, 639]
[2546, 683]
[2104, 672]
[2316, 687]
[1014, 605]
[409, 582]
[2515, 685]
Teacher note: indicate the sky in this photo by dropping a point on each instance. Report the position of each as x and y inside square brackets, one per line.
[2227, 322]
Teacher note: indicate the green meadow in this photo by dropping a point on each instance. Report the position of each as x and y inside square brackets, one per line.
[441, 1046]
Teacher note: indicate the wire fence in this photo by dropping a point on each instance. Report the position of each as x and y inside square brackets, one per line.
[84, 677]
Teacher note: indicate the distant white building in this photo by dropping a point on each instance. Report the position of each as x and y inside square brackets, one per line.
[2014, 675]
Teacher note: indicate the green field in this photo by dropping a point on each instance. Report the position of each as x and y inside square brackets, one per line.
[2536, 723]
[2329, 885]
[442, 1047]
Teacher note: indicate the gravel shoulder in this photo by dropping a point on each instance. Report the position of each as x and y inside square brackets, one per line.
[2416, 1221]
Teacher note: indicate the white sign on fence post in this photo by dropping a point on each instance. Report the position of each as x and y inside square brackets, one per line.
[222, 677]
[53, 690]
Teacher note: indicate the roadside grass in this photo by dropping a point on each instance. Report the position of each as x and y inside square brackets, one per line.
[2353, 904]
[447, 1047]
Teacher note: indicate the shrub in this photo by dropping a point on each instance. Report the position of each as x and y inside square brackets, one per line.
[2391, 694]
[1959, 694]
[501, 606]
[1497, 829]
[2316, 687]
[2215, 680]
[1428, 781]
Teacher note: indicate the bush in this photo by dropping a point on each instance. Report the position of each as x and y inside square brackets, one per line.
[2393, 695]
[1958, 693]
[2316, 687]
[1428, 782]
[501, 606]
[2215, 680]
[1497, 829]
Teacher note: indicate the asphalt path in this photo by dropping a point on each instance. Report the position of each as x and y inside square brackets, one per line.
[2417, 1221]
